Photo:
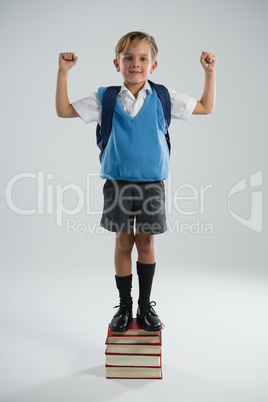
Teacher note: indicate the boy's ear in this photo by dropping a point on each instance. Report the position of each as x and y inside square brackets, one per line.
[153, 67]
[116, 65]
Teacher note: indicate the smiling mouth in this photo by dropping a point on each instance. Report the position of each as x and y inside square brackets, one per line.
[135, 72]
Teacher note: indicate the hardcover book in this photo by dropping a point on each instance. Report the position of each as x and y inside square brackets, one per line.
[135, 328]
[133, 360]
[133, 339]
[134, 372]
[135, 353]
[139, 349]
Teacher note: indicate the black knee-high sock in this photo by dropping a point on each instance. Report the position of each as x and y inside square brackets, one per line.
[145, 274]
[124, 285]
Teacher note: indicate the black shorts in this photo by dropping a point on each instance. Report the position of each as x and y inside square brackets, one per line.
[124, 201]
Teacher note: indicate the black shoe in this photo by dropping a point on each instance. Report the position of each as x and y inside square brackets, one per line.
[148, 317]
[120, 320]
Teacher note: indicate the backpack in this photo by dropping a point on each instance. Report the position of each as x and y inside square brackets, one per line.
[109, 99]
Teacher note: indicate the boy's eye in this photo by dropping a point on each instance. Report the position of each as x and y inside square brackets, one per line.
[130, 58]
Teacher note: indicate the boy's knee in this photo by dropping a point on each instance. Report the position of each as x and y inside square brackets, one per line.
[144, 243]
[124, 241]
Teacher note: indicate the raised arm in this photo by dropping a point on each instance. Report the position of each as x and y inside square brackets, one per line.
[207, 101]
[63, 106]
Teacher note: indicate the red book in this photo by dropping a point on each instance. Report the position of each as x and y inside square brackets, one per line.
[135, 353]
[133, 349]
[133, 339]
[133, 372]
[133, 360]
[135, 328]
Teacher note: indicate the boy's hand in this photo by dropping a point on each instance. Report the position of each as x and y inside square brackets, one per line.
[67, 61]
[208, 61]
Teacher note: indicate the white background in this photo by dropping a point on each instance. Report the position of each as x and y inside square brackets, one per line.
[57, 288]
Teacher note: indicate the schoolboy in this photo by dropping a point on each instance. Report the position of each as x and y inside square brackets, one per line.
[135, 162]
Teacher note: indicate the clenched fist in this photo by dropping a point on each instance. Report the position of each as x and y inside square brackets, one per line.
[67, 61]
[208, 61]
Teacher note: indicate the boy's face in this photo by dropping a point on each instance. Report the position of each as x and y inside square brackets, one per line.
[136, 63]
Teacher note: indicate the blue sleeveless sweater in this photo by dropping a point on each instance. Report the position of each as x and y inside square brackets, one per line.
[137, 149]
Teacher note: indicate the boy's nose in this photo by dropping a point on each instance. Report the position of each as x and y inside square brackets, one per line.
[135, 63]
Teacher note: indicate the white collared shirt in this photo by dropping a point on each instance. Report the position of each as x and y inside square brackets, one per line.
[89, 108]
[128, 101]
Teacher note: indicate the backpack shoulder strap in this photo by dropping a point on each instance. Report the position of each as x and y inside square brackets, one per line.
[108, 105]
[164, 97]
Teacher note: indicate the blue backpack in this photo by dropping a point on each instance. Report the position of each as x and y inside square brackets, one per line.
[108, 105]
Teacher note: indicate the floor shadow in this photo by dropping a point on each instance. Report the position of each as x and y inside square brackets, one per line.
[86, 386]
[91, 385]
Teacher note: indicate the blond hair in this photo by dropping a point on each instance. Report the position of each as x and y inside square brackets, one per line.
[138, 36]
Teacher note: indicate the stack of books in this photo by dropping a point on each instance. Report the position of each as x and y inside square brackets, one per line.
[135, 353]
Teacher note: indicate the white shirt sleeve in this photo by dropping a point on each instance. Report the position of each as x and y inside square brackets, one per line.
[182, 106]
[89, 108]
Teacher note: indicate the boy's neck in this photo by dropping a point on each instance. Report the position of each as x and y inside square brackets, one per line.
[134, 88]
